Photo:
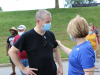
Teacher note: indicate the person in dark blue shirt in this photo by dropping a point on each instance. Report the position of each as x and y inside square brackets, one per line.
[81, 57]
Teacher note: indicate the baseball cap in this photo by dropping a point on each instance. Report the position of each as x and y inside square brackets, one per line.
[21, 27]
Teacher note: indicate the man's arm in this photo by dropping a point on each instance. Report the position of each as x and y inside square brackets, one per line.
[89, 71]
[98, 34]
[62, 47]
[7, 47]
[14, 56]
[58, 60]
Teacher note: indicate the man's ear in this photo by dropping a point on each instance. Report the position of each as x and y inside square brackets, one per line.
[25, 30]
[37, 21]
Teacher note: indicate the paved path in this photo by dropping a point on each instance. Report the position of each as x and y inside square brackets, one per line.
[8, 70]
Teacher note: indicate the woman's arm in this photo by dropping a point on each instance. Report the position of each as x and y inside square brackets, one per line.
[89, 71]
[96, 44]
[65, 49]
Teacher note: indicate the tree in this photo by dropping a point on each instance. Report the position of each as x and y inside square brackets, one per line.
[92, 1]
[70, 2]
[75, 1]
[0, 9]
[56, 3]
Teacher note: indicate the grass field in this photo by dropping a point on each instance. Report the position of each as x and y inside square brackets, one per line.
[60, 20]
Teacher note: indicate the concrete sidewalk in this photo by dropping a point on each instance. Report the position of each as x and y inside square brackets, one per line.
[8, 70]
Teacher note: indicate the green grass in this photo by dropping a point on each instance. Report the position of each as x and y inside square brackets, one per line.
[60, 20]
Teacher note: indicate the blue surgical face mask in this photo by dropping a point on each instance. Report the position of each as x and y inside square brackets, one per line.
[46, 27]
[90, 32]
[72, 38]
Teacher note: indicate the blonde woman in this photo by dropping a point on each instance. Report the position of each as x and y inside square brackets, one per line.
[81, 57]
[93, 39]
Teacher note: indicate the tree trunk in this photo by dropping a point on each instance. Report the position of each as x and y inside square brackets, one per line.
[56, 3]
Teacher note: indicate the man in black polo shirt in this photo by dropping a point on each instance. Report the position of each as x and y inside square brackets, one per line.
[40, 44]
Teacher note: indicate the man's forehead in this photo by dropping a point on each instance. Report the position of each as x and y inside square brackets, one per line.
[47, 15]
[47, 18]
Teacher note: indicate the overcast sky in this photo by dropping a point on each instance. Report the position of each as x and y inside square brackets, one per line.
[12, 5]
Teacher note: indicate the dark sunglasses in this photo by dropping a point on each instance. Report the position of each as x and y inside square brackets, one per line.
[44, 40]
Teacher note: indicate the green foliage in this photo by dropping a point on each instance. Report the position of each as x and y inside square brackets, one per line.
[60, 20]
[70, 2]
[92, 1]
[0, 9]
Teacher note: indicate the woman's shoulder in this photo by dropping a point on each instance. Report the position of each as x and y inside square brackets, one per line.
[86, 47]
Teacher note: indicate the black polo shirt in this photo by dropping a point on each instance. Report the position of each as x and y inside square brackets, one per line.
[39, 51]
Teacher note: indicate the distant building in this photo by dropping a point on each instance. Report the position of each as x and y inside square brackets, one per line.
[85, 5]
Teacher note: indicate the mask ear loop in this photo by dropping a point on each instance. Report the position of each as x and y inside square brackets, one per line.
[73, 39]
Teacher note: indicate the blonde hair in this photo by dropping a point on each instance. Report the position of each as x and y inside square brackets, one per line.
[78, 27]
